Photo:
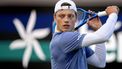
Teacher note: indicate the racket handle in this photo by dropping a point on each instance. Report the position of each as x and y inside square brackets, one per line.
[102, 13]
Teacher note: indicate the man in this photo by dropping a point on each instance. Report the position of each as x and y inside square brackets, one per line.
[70, 49]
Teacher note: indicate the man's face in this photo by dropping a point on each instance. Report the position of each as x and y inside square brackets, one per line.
[65, 20]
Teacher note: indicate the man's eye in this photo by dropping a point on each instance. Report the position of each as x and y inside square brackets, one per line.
[61, 16]
[70, 16]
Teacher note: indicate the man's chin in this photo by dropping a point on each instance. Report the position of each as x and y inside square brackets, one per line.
[67, 30]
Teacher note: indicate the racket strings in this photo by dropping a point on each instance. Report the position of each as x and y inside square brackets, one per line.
[83, 17]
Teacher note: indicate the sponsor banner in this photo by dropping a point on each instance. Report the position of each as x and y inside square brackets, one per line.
[25, 34]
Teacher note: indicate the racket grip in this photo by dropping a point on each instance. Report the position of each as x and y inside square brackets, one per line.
[102, 13]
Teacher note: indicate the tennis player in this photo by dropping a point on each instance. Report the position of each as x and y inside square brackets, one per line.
[70, 49]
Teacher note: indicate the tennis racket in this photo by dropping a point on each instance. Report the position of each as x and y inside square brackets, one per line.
[83, 17]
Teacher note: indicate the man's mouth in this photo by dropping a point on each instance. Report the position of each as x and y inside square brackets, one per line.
[66, 26]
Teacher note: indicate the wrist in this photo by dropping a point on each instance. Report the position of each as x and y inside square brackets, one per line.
[114, 13]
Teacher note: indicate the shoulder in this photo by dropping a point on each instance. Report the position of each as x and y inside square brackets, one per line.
[67, 36]
[64, 37]
[70, 34]
[71, 38]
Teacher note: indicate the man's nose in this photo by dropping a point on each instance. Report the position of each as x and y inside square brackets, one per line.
[66, 20]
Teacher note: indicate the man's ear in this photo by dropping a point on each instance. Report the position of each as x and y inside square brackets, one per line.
[54, 16]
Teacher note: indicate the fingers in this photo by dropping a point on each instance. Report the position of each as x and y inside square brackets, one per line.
[92, 13]
[94, 23]
[112, 9]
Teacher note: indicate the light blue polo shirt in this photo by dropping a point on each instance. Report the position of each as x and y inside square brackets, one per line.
[66, 51]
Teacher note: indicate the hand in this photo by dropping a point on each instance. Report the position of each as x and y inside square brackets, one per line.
[112, 9]
[95, 23]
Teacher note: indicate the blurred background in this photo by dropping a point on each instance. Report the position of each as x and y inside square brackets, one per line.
[21, 19]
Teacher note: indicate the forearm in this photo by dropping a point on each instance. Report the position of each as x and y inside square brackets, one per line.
[98, 59]
[102, 34]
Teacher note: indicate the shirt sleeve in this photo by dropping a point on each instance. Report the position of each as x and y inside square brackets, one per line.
[98, 59]
[71, 41]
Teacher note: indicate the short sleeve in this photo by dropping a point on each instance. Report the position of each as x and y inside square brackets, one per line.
[71, 41]
[89, 52]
